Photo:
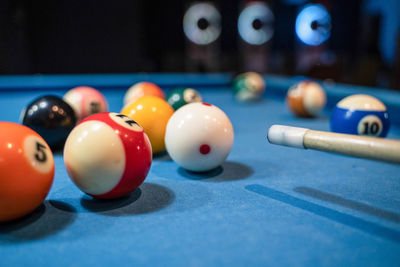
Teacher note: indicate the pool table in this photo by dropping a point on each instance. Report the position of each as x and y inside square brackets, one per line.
[266, 205]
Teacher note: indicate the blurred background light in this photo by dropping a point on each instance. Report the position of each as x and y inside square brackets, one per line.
[313, 24]
[202, 23]
[255, 23]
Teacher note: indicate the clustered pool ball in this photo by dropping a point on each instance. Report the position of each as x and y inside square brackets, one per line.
[26, 170]
[152, 113]
[182, 96]
[108, 155]
[199, 137]
[85, 101]
[51, 117]
[138, 90]
[306, 99]
[248, 86]
[362, 115]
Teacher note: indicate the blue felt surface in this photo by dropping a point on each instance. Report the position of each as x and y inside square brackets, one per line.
[267, 205]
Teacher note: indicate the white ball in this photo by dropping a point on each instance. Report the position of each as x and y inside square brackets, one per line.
[199, 137]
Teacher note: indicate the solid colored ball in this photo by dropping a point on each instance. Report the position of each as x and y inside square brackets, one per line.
[51, 117]
[362, 115]
[249, 86]
[108, 155]
[26, 170]
[85, 101]
[152, 113]
[182, 96]
[138, 90]
[306, 99]
[199, 137]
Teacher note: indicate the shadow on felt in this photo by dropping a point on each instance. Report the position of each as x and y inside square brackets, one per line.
[349, 220]
[228, 171]
[162, 156]
[146, 199]
[44, 221]
[348, 203]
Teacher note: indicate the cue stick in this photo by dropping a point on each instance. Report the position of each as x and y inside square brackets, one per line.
[352, 145]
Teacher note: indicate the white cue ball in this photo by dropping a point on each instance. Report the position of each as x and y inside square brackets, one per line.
[199, 137]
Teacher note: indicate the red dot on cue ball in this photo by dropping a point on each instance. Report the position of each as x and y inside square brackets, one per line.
[206, 104]
[205, 149]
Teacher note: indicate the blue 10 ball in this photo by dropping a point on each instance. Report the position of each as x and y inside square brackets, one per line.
[362, 115]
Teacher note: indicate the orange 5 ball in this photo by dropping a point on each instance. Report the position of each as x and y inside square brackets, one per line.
[26, 170]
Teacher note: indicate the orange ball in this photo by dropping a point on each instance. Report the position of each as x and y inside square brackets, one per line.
[152, 113]
[306, 99]
[138, 90]
[26, 170]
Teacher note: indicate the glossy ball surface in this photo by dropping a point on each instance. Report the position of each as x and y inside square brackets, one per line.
[249, 86]
[108, 155]
[152, 113]
[199, 137]
[362, 115]
[141, 89]
[51, 117]
[85, 101]
[26, 170]
[306, 99]
[182, 96]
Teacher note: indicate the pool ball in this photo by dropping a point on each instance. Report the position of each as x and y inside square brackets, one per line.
[306, 99]
[248, 86]
[142, 89]
[26, 170]
[51, 117]
[85, 101]
[152, 113]
[107, 155]
[199, 137]
[182, 96]
[362, 115]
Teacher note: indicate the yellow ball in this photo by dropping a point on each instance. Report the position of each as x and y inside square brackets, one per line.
[152, 113]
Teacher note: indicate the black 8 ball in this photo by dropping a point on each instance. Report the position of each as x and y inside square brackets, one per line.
[51, 117]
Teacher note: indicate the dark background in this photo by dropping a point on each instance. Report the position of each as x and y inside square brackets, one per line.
[102, 36]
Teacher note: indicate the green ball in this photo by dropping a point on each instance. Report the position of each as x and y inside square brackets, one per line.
[248, 86]
[179, 97]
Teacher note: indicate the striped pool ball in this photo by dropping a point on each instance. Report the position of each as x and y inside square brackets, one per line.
[182, 96]
[248, 86]
[108, 155]
[306, 99]
[362, 115]
[199, 137]
[85, 101]
[141, 89]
